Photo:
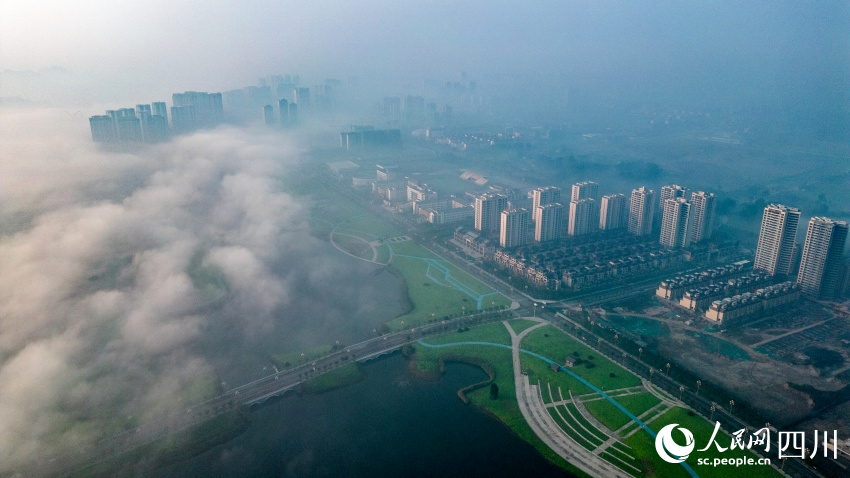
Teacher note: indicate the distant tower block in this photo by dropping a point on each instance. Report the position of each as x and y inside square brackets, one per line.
[613, 213]
[641, 211]
[488, 211]
[514, 227]
[550, 222]
[702, 216]
[821, 264]
[775, 250]
[674, 223]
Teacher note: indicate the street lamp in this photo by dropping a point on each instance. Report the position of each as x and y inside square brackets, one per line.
[681, 390]
[713, 408]
[699, 382]
[640, 352]
[651, 371]
[535, 310]
[668, 368]
[731, 406]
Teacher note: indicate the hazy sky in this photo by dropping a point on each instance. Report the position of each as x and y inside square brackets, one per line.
[762, 48]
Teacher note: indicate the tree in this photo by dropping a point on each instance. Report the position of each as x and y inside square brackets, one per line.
[494, 391]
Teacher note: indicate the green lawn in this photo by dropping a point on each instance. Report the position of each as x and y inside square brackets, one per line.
[702, 430]
[353, 245]
[495, 333]
[612, 417]
[594, 367]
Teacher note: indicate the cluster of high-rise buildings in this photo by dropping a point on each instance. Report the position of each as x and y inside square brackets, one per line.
[821, 266]
[277, 100]
[149, 123]
[683, 221]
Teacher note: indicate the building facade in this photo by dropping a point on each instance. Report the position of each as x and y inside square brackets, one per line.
[674, 223]
[513, 227]
[613, 213]
[821, 263]
[581, 218]
[488, 211]
[775, 250]
[550, 222]
[702, 216]
[641, 211]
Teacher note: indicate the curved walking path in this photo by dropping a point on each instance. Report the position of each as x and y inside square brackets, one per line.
[534, 410]
[544, 426]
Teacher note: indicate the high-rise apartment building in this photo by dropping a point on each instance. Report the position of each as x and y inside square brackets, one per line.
[674, 223]
[613, 213]
[672, 191]
[702, 216]
[584, 217]
[102, 129]
[775, 250]
[550, 221]
[585, 190]
[543, 196]
[207, 108]
[581, 218]
[821, 264]
[488, 210]
[268, 115]
[283, 109]
[641, 211]
[514, 227]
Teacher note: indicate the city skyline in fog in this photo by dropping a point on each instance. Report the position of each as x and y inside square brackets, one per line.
[713, 54]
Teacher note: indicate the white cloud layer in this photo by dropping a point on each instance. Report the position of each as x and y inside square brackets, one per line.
[113, 266]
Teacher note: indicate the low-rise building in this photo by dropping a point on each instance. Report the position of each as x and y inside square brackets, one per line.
[739, 307]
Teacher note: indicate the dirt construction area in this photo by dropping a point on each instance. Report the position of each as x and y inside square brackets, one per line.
[793, 366]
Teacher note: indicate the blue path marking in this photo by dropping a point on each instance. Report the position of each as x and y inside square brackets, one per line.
[580, 379]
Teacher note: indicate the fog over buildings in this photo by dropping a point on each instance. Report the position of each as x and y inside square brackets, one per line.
[122, 271]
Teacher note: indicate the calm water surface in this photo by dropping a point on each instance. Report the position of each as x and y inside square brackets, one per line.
[389, 424]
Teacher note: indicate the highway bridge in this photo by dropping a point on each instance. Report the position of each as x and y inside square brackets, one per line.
[256, 392]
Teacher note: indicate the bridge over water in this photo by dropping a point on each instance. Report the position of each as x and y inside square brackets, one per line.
[255, 392]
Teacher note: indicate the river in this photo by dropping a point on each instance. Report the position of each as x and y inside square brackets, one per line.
[389, 424]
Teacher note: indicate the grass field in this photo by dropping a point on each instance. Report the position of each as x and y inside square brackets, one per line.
[614, 418]
[702, 430]
[550, 342]
[594, 367]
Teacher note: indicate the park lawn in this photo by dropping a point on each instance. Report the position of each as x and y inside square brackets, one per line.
[612, 417]
[702, 430]
[555, 345]
[539, 371]
[505, 407]
[414, 250]
[429, 297]
[354, 245]
[571, 428]
[651, 465]
[383, 254]
[521, 324]
[494, 333]
[372, 225]
[589, 431]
